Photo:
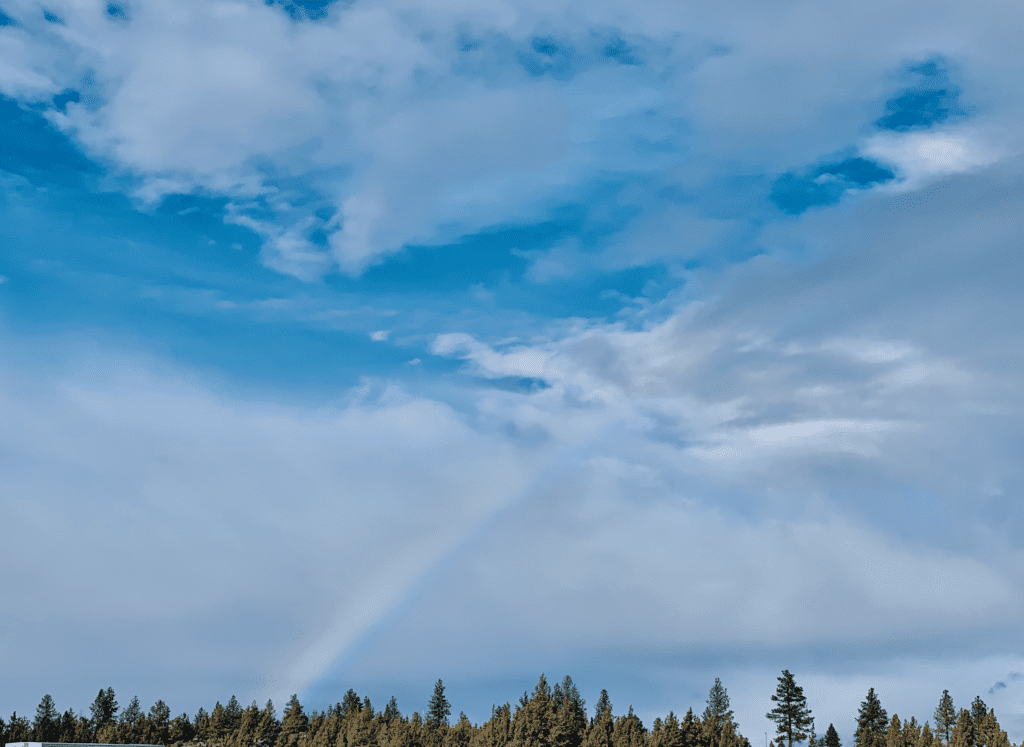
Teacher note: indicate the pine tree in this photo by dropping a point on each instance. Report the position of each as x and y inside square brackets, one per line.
[534, 717]
[871, 722]
[350, 704]
[599, 732]
[911, 732]
[496, 731]
[269, 728]
[791, 716]
[47, 721]
[19, 729]
[459, 735]
[570, 726]
[894, 732]
[391, 711]
[181, 729]
[293, 723]
[945, 717]
[245, 735]
[439, 708]
[691, 729]
[104, 708]
[361, 731]
[717, 713]
[963, 732]
[603, 704]
[629, 731]
[84, 732]
[832, 737]
[232, 717]
[159, 724]
[672, 733]
[927, 739]
[66, 727]
[130, 724]
[201, 725]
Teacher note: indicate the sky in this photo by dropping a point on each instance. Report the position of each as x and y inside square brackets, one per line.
[363, 344]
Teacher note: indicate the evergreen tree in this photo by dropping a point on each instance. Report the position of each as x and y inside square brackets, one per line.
[104, 708]
[130, 724]
[832, 737]
[979, 717]
[202, 726]
[570, 725]
[350, 704]
[601, 728]
[439, 708]
[66, 728]
[927, 739]
[269, 728]
[629, 731]
[232, 717]
[46, 725]
[691, 729]
[459, 735]
[391, 711]
[159, 730]
[332, 732]
[496, 731]
[894, 732]
[672, 732]
[872, 722]
[945, 717]
[218, 723]
[791, 716]
[911, 732]
[293, 723]
[84, 731]
[603, 704]
[535, 717]
[361, 730]
[717, 713]
[245, 735]
[964, 732]
[19, 729]
[181, 730]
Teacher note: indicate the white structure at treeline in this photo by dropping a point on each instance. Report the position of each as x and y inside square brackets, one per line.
[64, 744]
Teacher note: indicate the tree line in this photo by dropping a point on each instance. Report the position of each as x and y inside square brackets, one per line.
[549, 717]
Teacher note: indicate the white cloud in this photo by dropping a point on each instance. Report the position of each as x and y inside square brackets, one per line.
[412, 138]
[920, 157]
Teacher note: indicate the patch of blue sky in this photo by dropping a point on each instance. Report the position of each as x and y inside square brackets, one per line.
[314, 10]
[52, 17]
[33, 149]
[927, 102]
[796, 193]
[117, 11]
[181, 280]
[546, 56]
[625, 54]
[6, 20]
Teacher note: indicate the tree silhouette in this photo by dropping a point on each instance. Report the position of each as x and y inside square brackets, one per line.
[791, 715]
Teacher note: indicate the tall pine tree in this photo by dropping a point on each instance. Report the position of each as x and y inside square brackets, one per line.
[570, 723]
[832, 737]
[439, 708]
[717, 713]
[963, 734]
[47, 721]
[945, 717]
[791, 715]
[872, 722]
[599, 732]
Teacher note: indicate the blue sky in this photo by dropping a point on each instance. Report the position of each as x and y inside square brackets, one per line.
[363, 344]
